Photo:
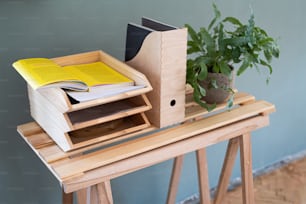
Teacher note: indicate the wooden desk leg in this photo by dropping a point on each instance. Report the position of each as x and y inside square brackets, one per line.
[67, 198]
[82, 195]
[97, 194]
[228, 164]
[175, 178]
[203, 176]
[105, 192]
[246, 169]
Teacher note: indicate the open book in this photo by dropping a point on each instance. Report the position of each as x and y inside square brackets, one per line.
[83, 81]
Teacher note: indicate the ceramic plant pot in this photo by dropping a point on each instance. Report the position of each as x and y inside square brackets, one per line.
[220, 94]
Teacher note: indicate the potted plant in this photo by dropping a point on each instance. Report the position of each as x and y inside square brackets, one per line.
[214, 53]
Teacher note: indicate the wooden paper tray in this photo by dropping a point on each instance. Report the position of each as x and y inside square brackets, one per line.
[59, 98]
[74, 125]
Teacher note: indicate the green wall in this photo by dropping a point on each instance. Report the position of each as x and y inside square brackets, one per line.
[50, 28]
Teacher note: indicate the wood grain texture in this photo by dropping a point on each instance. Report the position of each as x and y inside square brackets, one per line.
[193, 110]
[203, 178]
[155, 156]
[100, 166]
[246, 168]
[108, 112]
[175, 178]
[67, 198]
[226, 171]
[61, 127]
[58, 116]
[58, 97]
[137, 146]
[162, 58]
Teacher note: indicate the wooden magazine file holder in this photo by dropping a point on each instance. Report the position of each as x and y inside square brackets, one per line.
[77, 125]
[162, 58]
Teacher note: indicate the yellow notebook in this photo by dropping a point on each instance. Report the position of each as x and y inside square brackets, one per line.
[44, 73]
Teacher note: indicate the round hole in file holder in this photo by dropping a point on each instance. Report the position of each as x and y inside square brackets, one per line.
[172, 102]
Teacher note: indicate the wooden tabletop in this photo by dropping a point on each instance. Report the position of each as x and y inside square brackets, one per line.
[96, 163]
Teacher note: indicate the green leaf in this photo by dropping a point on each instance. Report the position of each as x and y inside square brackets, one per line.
[192, 50]
[233, 20]
[265, 41]
[189, 77]
[192, 34]
[221, 43]
[236, 41]
[208, 107]
[211, 107]
[236, 55]
[202, 91]
[264, 63]
[230, 101]
[203, 71]
[264, 33]
[251, 25]
[268, 55]
[225, 69]
[243, 67]
[275, 51]
[193, 44]
[190, 72]
[213, 84]
[204, 59]
[216, 68]
[197, 97]
[208, 40]
[217, 16]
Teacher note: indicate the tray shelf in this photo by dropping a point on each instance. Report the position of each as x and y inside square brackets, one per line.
[74, 125]
[108, 112]
[108, 130]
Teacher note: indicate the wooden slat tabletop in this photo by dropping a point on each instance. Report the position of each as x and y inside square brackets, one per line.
[75, 163]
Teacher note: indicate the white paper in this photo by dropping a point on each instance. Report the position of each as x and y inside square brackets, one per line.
[96, 93]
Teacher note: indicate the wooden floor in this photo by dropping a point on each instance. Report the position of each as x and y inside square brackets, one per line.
[286, 185]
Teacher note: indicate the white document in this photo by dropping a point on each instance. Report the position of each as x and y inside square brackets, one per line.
[101, 93]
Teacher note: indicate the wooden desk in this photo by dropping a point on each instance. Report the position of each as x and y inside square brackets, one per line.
[89, 174]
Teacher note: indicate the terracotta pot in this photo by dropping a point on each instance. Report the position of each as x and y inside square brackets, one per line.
[220, 94]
